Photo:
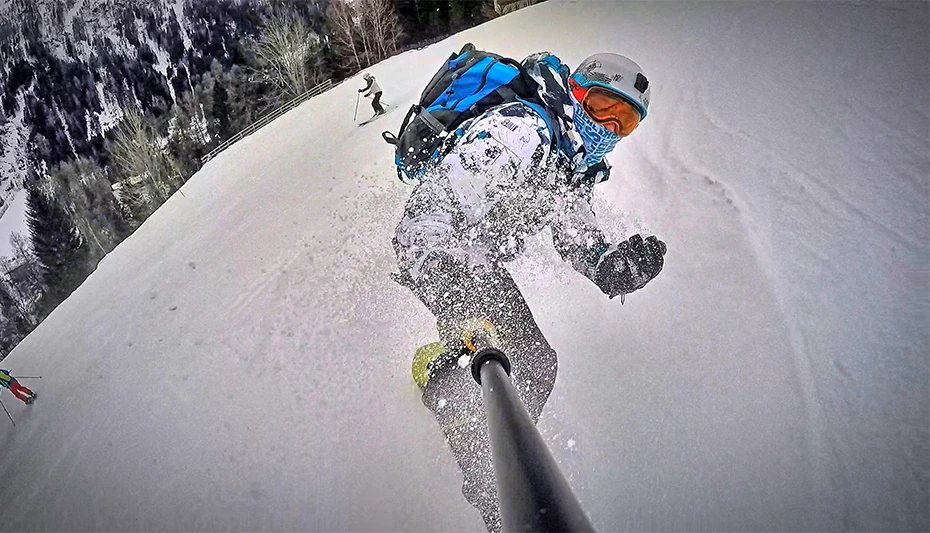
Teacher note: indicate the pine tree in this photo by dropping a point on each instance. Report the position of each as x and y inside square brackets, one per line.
[221, 111]
[59, 248]
[84, 189]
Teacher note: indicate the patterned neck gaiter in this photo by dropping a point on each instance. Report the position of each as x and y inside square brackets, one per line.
[598, 140]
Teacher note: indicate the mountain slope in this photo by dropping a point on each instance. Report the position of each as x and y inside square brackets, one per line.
[68, 68]
[242, 360]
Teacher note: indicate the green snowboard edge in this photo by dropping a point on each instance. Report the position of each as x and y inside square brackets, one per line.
[421, 360]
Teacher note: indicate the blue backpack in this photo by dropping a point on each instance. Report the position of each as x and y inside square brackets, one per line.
[467, 85]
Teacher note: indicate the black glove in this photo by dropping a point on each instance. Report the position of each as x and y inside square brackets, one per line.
[630, 265]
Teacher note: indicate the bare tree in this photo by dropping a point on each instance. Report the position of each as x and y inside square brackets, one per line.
[343, 30]
[288, 57]
[489, 10]
[16, 303]
[509, 6]
[20, 245]
[149, 174]
[386, 27]
[363, 31]
[23, 256]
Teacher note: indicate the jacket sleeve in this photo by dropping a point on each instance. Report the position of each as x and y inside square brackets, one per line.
[575, 232]
[370, 81]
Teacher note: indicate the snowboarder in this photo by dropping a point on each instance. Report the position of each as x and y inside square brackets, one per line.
[502, 181]
[373, 89]
[7, 381]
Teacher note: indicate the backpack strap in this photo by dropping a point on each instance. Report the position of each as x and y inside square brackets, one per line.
[389, 137]
[551, 78]
[430, 121]
[555, 131]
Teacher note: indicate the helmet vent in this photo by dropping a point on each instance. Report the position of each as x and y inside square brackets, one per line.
[641, 83]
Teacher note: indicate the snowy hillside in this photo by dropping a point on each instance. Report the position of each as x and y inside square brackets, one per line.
[68, 69]
[241, 362]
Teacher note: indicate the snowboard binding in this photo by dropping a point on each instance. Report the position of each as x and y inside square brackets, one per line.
[436, 356]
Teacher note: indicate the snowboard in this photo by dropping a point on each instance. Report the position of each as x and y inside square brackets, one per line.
[421, 359]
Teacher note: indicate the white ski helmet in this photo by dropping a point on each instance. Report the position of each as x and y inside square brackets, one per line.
[617, 73]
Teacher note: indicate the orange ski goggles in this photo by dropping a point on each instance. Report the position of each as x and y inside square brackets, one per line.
[606, 107]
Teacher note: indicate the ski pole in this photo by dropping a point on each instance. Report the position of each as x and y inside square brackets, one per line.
[28, 377]
[7, 413]
[357, 98]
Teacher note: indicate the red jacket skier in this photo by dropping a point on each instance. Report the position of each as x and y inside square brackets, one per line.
[9, 382]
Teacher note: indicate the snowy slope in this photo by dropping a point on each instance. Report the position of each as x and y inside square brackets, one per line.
[241, 362]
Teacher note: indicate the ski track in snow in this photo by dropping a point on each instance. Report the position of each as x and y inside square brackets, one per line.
[242, 361]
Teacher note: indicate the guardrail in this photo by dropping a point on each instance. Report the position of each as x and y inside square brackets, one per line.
[263, 121]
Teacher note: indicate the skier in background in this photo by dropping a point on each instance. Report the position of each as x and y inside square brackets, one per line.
[502, 182]
[373, 89]
[7, 381]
